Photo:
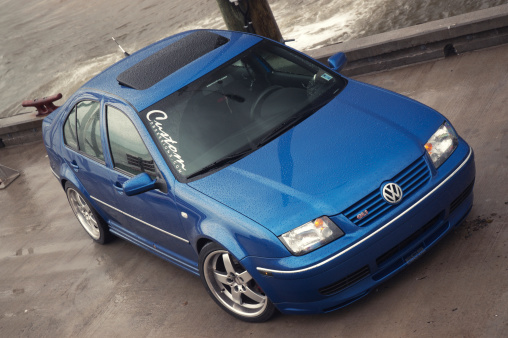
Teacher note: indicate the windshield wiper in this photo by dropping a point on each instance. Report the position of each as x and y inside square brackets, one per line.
[280, 129]
[289, 123]
[222, 162]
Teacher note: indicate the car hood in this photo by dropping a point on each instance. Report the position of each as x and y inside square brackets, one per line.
[347, 149]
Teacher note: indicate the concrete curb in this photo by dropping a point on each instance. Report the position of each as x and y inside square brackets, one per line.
[20, 129]
[425, 42]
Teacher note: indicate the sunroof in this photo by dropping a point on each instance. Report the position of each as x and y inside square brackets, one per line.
[165, 62]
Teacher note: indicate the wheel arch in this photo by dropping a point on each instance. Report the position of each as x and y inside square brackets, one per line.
[201, 242]
[242, 237]
[67, 175]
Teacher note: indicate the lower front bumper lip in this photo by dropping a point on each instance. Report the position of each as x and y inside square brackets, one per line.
[266, 271]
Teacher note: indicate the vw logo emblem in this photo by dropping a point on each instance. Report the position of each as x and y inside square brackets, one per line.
[392, 193]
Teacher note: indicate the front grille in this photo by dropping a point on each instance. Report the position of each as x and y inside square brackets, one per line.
[463, 195]
[345, 282]
[410, 180]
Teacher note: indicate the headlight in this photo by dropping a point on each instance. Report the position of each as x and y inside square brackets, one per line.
[311, 235]
[442, 144]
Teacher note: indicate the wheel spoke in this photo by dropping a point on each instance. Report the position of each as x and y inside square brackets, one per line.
[82, 202]
[245, 276]
[221, 278]
[227, 263]
[74, 200]
[92, 221]
[77, 204]
[237, 297]
[253, 295]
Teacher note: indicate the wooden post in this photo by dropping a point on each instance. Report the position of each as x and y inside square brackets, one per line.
[254, 16]
[232, 16]
[263, 20]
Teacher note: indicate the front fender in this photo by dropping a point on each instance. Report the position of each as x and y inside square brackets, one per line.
[207, 218]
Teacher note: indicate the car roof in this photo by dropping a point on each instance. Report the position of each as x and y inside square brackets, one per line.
[162, 68]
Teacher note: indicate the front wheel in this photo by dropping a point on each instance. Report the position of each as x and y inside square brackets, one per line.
[231, 286]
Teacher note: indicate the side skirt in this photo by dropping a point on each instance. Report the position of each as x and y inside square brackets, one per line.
[118, 231]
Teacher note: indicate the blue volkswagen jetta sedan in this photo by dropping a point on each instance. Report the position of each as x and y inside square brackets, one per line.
[281, 183]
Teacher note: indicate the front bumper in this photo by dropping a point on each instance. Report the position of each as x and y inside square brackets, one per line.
[345, 273]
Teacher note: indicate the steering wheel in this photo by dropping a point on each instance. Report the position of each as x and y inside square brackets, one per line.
[255, 110]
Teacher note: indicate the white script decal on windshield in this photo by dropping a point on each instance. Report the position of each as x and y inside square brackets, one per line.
[166, 140]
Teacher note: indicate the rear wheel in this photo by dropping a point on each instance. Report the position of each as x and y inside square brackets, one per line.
[86, 215]
[231, 286]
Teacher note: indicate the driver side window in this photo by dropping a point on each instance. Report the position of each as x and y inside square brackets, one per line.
[128, 151]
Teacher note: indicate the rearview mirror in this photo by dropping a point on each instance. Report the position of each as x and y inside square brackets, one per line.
[138, 184]
[337, 61]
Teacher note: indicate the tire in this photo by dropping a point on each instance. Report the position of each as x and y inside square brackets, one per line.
[231, 286]
[89, 219]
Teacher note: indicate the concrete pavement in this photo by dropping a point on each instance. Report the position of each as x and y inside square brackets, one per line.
[54, 281]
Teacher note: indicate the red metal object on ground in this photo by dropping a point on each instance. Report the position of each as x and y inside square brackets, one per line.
[45, 105]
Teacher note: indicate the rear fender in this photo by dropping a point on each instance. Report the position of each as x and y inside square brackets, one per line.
[67, 175]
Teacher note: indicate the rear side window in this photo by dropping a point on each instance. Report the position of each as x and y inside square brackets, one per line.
[88, 126]
[82, 129]
[70, 137]
[128, 151]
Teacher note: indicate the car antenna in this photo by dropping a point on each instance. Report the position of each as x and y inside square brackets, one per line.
[123, 50]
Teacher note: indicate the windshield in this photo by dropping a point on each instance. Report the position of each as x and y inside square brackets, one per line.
[236, 108]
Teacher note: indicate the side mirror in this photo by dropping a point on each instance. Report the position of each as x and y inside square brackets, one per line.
[337, 61]
[138, 184]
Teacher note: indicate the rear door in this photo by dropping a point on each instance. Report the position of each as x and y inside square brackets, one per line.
[84, 151]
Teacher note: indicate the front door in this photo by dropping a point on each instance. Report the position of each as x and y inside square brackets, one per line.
[152, 216]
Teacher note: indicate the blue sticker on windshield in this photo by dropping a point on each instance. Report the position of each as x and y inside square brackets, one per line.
[326, 77]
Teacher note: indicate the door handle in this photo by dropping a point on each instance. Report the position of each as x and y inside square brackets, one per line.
[118, 187]
[74, 165]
